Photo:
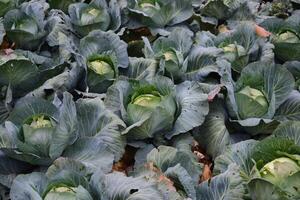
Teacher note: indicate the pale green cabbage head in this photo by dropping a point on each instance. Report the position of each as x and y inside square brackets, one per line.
[147, 100]
[251, 103]
[61, 193]
[279, 169]
[102, 68]
[233, 51]
[40, 122]
[288, 37]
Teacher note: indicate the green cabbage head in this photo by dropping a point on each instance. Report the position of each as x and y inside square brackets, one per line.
[251, 103]
[148, 100]
[279, 169]
[234, 51]
[288, 37]
[61, 193]
[40, 122]
[102, 68]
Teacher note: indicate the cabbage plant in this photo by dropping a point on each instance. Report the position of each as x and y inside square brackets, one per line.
[26, 25]
[171, 52]
[256, 96]
[270, 165]
[158, 14]
[65, 179]
[239, 46]
[180, 60]
[41, 131]
[286, 36]
[97, 15]
[157, 106]
[38, 131]
[103, 53]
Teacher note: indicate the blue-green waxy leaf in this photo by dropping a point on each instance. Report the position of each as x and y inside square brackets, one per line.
[10, 168]
[62, 5]
[116, 186]
[182, 179]
[65, 133]
[141, 68]
[290, 109]
[289, 130]
[165, 157]
[213, 134]
[100, 141]
[220, 9]
[193, 102]
[239, 153]
[228, 185]
[29, 186]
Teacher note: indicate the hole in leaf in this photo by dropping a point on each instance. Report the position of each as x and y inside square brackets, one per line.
[133, 191]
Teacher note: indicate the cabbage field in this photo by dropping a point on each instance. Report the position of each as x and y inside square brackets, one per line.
[149, 100]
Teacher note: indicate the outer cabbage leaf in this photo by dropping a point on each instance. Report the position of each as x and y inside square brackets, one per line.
[213, 134]
[192, 99]
[165, 157]
[260, 187]
[62, 5]
[100, 141]
[141, 68]
[18, 71]
[239, 153]
[182, 179]
[117, 186]
[228, 185]
[10, 168]
[290, 109]
[289, 130]
[201, 63]
[29, 186]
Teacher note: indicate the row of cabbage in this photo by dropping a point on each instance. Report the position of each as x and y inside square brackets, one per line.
[86, 83]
